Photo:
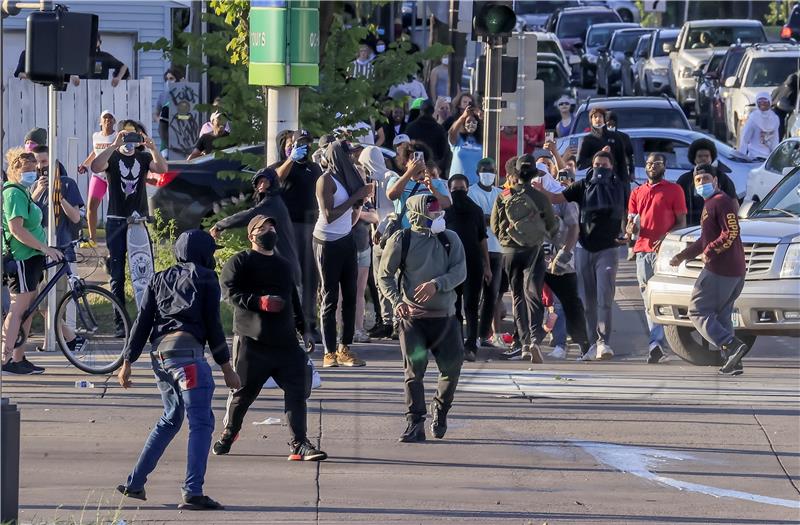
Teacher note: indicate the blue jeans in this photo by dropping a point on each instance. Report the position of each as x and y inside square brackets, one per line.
[560, 328]
[645, 266]
[186, 385]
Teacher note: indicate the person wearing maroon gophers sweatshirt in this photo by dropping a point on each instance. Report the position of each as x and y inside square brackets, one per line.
[722, 278]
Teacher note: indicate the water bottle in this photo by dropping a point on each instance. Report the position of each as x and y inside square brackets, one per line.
[84, 384]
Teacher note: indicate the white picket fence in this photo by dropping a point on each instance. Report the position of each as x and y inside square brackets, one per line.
[79, 108]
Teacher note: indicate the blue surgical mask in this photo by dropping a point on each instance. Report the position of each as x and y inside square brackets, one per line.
[28, 178]
[705, 190]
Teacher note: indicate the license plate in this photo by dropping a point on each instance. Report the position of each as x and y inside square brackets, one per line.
[735, 318]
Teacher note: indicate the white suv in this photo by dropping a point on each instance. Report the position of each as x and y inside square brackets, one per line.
[695, 45]
[763, 68]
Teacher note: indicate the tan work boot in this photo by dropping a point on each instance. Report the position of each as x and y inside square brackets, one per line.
[346, 357]
[329, 360]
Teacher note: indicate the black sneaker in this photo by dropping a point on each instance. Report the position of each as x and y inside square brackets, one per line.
[415, 432]
[28, 364]
[77, 344]
[439, 423]
[487, 343]
[395, 332]
[656, 355]
[470, 354]
[305, 451]
[119, 332]
[512, 354]
[380, 331]
[735, 350]
[223, 445]
[135, 494]
[17, 369]
[199, 503]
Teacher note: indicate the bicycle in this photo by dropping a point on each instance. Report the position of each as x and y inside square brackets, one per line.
[88, 311]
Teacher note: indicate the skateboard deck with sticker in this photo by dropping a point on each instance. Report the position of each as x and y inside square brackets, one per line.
[140, 256]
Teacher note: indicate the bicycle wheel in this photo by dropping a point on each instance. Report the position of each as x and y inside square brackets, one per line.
[91, 312]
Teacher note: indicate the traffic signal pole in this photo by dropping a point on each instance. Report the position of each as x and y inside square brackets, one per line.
[492, 101]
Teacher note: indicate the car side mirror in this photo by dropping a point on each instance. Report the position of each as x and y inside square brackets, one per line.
[746, 208]
[712, 75]
[698, 72]
[628, 54]
[730, 82]
[666, 47]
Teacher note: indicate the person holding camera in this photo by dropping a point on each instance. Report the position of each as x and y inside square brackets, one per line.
[126, 164]
[466, 144]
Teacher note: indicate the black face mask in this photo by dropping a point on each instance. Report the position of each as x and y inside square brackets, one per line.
[209, 262]
[459, 196]
[267, 240]
[602, 172]
[527, 174]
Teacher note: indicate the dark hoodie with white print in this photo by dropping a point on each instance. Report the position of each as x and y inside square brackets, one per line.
[427, 260]
[183, 298]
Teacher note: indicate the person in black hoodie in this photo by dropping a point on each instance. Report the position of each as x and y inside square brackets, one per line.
[703, 151]
[600, 137]
[425, 129]
[266, 316]
[180, 314]
[268, 202]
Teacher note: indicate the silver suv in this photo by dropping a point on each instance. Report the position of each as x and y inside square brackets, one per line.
[770, 301]
[694, 46]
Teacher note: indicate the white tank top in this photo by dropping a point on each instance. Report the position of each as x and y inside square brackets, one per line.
[99, 143]
[340, 227]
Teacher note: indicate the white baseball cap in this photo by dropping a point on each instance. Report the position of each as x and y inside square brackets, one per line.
[400, 139]
[107, 112]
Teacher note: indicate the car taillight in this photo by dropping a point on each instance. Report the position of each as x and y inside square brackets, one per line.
[159, 180]
[786, 32]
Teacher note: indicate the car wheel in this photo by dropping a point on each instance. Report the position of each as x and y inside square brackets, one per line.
[692, 348]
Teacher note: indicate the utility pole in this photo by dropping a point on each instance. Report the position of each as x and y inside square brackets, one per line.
[492, 101]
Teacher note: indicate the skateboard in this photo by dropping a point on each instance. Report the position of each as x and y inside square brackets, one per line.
[140, 255]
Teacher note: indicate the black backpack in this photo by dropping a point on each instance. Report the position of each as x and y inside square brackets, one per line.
[604, 196]
[405, 245]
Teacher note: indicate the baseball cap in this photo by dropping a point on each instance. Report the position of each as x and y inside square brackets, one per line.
[526, 160]
[541, 152]
[107, 112]
[258, 221]
[302, 134]
[400, 139]
[417, 103]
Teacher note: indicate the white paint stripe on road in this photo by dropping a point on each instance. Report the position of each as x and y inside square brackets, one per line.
[640, 462]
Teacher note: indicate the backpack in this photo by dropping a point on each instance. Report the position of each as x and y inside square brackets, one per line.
[604, 196]
[405, 245]
[526, 225]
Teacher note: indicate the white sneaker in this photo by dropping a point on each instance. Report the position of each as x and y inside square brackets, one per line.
[559, 352]
[361, 337]
[526, 352]
[589, 355]
[497, 340]
[604, 352]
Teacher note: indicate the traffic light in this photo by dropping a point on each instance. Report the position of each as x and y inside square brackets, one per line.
[59, 44]
[494, 19]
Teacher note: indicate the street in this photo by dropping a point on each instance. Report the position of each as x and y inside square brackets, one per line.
[563, 442]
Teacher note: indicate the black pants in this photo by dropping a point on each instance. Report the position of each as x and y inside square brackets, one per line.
[442, 336]
[526, 298]
[338, 267]
[256, 362]
[565, 288]
[468, 297]
[490, 293]
[308, 266]
[374, 294]
[117, 244]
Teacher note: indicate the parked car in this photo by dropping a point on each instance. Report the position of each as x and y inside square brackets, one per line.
[653, 69]
[763, 68]
[674, 145]
[597, 36]
[609, 61]
[763, 178]
[730, 63]
[548, 43]
[190, 191]
[570, 25]
[634, 112]
[770, 301]
[534, 15]
[694, 45]
[555, 77]
[791, 31]
[630, 65]
[707, 82]
[626, 9]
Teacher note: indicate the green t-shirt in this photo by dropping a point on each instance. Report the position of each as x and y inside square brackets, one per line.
[17, 203]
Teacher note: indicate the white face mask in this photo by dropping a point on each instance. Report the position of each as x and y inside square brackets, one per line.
[127, 149]
[380, 49]
[445, 60]
[438, 225]
[28, 178]
[486, 178]
[611, 128]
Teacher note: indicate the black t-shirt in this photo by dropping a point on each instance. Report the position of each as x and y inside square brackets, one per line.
[300, 191]
[246, 277]
[127, 183]
[205, 143]
[602, 231]
[103, 63]
[466, 219]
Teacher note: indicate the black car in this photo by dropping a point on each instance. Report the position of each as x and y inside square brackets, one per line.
[570, 24]
[708, 80]
[555, 77]
[192, 190]
[535, 14]
[630, 66]
[597, 36]
[609, 61]
[634, 112]
[791, 31]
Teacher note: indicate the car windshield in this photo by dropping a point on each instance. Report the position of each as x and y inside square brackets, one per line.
[705, 37]
[599, 36]
[732, 64]
[785, 196]
[548, 46]
[551, 75]
[794, 20]
[544, 7]
[659, 49]
[625, 42]
[639, 117]
[771, 71]
[574, 25]
[713, 64]
[643, 45]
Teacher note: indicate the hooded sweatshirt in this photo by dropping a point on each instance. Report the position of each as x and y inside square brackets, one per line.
[371, 158]
[760, 133]
[183, 298]
[427, 260]
[341, 168]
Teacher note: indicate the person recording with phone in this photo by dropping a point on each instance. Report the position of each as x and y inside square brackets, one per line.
[126, 164]
[466, 144]
[419, 178]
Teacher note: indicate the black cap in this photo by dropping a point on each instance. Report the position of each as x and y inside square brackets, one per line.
[526, 160]
[426, 106]
[259, 220]
[302, 134]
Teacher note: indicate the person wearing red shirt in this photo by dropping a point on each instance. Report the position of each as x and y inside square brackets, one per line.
[654, 209]
[533, 137]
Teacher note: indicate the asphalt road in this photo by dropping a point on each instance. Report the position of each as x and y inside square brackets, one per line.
[564, 442]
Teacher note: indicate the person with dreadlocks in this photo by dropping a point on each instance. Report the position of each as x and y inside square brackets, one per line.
[340, 194]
